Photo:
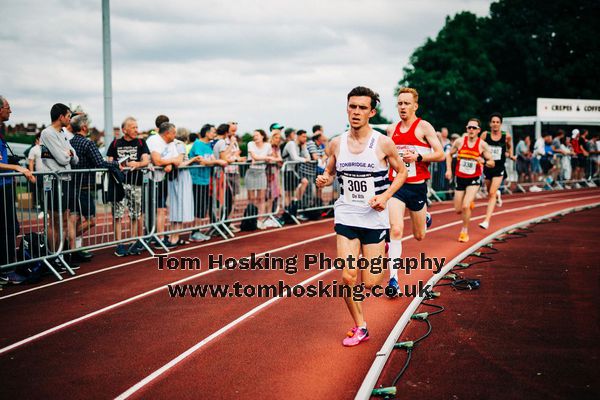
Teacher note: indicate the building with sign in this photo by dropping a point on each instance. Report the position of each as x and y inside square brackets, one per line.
[559, 112]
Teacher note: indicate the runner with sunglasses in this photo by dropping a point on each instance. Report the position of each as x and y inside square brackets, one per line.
[473, 153]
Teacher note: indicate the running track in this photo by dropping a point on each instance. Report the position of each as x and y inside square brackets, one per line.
[116, 332]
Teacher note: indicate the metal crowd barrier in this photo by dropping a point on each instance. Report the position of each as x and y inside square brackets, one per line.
[67, 212]
[301, 197]
[250, 193]
[32, 231]
[197, 208]
[102, 211]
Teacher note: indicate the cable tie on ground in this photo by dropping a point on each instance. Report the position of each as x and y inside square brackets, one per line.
[462, 264]
[384, 391]
[404, 345]
[420, 316]
[450, 277]
[432, 295]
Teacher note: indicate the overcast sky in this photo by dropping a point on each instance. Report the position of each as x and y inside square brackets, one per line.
[255, 62]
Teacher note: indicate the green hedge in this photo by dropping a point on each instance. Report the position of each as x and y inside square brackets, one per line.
[20, 138]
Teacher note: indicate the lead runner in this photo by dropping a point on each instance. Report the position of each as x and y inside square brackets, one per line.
[360, 157]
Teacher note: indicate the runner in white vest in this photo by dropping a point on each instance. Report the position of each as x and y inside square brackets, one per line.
[360, 157]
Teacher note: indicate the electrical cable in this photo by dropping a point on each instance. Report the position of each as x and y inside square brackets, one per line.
[458, 282]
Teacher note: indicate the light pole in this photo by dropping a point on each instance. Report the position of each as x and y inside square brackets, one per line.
[106, 61]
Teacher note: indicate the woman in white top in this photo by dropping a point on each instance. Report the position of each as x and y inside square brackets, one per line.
[36, 165]
[181, 200]
[259, 153]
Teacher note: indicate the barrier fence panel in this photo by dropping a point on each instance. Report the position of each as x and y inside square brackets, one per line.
[30, 225]
[252, 196]
[106, 207]
[195, 200]
[302, 199]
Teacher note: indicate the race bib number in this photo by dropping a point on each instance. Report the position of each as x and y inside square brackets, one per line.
[467, 166]
[496, 152]
[412, 170]
[411, 167]
[359, 191]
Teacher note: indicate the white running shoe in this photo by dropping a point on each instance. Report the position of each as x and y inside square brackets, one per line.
[270, 224]
[535, 189]
[484, 225]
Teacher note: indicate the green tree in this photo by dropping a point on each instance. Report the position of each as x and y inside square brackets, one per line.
[451, 73]
[379, 118]
[523, 50]
[246, 138]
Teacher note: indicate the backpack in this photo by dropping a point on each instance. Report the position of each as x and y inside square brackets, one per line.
[249, 224]
[32, 246]
[315, 214]
[291, 210]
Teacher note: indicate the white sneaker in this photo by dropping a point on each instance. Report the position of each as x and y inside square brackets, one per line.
[260, 225]
[535, 189]
[270, 224]
[577, 186]
[199, 237]
[484, 225]
[499, 198]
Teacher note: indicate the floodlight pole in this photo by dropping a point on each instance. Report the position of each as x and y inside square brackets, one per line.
[106, 61]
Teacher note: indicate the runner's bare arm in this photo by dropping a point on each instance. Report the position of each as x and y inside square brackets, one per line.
[432, 138]
[328, 175]
[453, 150]
[509, 147]
[388, 147]
[488, 160]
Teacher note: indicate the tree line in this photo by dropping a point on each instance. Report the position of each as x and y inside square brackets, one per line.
[524, 49]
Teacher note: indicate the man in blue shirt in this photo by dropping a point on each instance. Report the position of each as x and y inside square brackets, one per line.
[9, 225]
[201, 176]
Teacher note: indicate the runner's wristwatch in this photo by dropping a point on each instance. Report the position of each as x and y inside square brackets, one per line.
[419, 158]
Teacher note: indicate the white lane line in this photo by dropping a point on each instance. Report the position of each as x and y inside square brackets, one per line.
[156, 290]
[33, 289]
[374, 373]
[139, 385]
[79, 276]
[142, 295]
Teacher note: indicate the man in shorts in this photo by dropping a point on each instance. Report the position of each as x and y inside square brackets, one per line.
[418, 144]
[473, 153]
[135, 155]
[360, 158]
[500, 144]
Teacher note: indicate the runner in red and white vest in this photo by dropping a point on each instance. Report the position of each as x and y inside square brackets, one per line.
[473, 153]
[418, 145]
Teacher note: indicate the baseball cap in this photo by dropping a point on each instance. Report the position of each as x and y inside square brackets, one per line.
[275, 125]
[574, 132]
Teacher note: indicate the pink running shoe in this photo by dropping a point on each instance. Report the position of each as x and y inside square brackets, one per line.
[360, 335]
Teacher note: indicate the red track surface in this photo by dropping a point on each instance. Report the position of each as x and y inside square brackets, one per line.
[291, 349]
[531, 330]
